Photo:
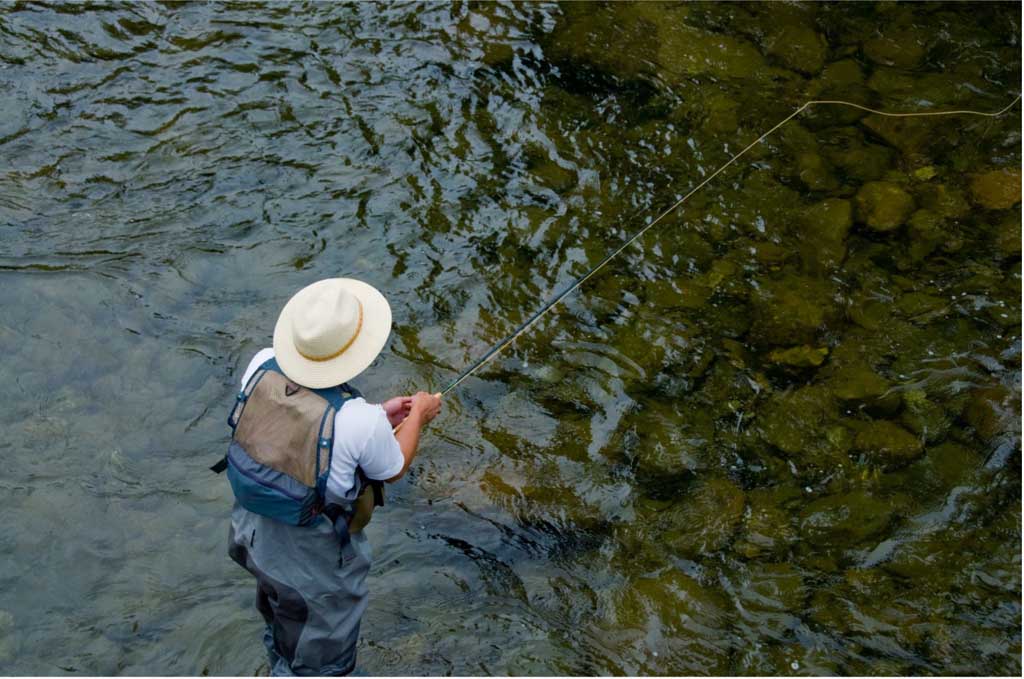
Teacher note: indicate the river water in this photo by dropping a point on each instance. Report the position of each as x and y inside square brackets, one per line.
[778, 435]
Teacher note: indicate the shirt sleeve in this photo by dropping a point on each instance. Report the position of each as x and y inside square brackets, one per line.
[382, 457]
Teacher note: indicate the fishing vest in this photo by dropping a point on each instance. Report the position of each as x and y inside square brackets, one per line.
[280, 454]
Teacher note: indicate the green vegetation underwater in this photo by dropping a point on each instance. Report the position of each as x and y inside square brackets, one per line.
[779, 434]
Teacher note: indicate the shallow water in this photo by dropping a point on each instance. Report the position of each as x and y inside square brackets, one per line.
[781, 434]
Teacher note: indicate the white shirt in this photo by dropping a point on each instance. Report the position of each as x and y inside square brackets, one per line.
[362, 437]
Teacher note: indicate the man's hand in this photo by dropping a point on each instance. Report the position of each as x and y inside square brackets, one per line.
[397, 409]
[427, 405]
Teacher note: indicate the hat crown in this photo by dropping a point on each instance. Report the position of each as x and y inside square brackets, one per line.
[326, 321]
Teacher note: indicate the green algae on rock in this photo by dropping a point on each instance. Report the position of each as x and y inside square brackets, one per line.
[997, 189]
[799, 357]
[844, 520]
[883, 206]
[887, 441]
[824, 228]
[790, 309]
[703, 520]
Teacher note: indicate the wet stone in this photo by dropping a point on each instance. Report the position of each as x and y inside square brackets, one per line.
[992, 411]
[774, 587]
[794, 422]
[944, 200]
[859, 160]
[857, 382]
[790, 310]
[899, 45]
[927, 232]
[815, 172]
[887, 441]
[844, 520]
[798, 47]
[911, 136]
[883, 206]
[767, 529]
[920, 306]
[997, 189]
[799, 357]
[824, 228]
[703, 520]
[1008, 237]
[924, 417]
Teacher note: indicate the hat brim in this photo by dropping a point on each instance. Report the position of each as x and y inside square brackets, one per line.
[373, 335]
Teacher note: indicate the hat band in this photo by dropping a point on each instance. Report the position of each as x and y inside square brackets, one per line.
[339, 352]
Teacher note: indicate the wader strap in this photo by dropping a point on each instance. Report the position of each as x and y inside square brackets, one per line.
[339, 522]
[221, 465]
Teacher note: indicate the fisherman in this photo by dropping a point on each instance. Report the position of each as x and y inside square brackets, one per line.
[306, 461]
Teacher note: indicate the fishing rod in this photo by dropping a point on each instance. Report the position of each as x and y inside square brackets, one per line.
[523, 327]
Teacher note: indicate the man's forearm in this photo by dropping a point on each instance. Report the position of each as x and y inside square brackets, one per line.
[408, 435]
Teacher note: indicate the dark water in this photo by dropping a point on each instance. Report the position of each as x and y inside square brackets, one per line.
[779, 435]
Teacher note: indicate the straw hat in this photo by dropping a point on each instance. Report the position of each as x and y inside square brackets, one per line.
[331, 331]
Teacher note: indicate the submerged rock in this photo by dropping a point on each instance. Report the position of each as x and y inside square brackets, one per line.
[824, 228]
[790, 310]
[704, 520]
[802, 424]
[888, 441]
[997, 189]
[686, 51]
[1008, 237]
[815, 172]
[945, 201]
[924, 417]
[927, 232]
[992, 411]
[767, 525]
[844, 520]
[883, 206]
[856, 381]
[910, 135]
[798, 46]
[799, 357]
[774, 587]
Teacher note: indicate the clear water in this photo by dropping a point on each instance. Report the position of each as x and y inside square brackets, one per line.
[780, 435]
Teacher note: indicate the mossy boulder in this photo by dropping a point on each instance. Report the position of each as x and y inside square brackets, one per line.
[775, 587]
[790, 310]
[944, 200]
[888, 442]
[997, 189]
[797, 46]
[856, 158]
[703, 520]
[685, 610]
[816, 173]
[927, 231]
[663, 446]
[857, 382]
[767, 529]
[1008, 237]
[883, 206]
[802, 424]
[924, 417]
[595, 43]
[912, 136]
[921, 307]
[844, 520]
[548, 172]
[898, 43]
[799, 357]
[686, 51]
[992, 411]
[824, 228]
